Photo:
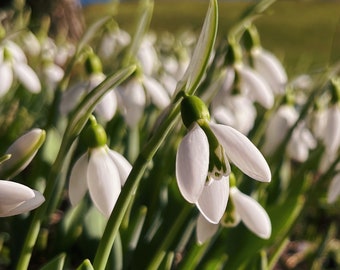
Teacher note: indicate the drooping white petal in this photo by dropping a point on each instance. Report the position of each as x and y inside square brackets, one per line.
[28, 205]
[271, 69]
[213, 200]
[6, 76]
[15, 51]
[107, 107]
[255, 87]
[103, 180]
[16, 198]
[242, 152]
[204, 229]
[71, 97]
[278, 127]
[78, 180]
[332, 132]
[27, 77]
[133, 98]
[252, 213]
[156, 91]
[14, 193]
[192, 162]
[124, 167]
[334, 189]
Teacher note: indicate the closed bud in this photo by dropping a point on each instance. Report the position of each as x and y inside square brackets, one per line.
[21, 152]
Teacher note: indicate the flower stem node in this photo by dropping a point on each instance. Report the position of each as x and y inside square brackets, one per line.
[193, 110]
[94, 134]
[335, 89]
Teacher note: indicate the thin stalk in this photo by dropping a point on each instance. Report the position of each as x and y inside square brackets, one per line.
[168, 240]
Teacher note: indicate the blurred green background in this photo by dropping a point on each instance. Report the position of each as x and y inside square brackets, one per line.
[305, 35]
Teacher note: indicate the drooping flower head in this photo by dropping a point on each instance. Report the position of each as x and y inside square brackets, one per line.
[100, 170]
[203, 157]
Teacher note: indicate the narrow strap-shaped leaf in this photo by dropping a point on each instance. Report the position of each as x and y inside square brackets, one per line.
[199, 62]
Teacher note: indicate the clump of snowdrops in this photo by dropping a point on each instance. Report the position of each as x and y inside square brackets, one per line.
[140, 151]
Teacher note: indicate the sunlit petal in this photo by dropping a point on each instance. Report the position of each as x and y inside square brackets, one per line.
[271, 69]
[242, 152]
[78, 180]
[213, 200]
[103, 181]
[334, 189]
[28, 205]
[6, 76]
[14, 193]
[157, 92]
[124, 167]
[204, 229]
[192, 163]
[252, 213]
[332, 132]
[107, 107]
[27, 77]
[256, 87]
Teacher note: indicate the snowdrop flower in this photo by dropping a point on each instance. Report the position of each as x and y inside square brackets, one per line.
[21, 152]
[300, 143]
[134, 94]
[246, 80]
[13, 64]
[246, 209]
[100, 170]
[16, 198]
[113, 42]
[106, 108]
[205, 150]
[237, 111]
[264, 62]
[278, 126]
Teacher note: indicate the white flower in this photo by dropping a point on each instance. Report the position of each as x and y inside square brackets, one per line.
[213, 199]
[300, 143]
[334, 189]
[270, 68]
[13, 64]
[247, 210]
[106, 108]
[251, 213]
[237, 111]
[103, 172]
[254, 86]
[133, 97]
[194, 155]
[278, 126]
[21, 152]
[16, 198]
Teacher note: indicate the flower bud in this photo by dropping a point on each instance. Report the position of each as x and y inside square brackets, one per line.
[16, 198]
[22, 151]
[193, 109]
[94, 134]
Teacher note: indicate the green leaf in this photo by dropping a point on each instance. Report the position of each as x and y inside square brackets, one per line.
[142, 25]
[199, 62]
[85, 265]
[55, 264]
